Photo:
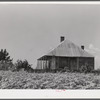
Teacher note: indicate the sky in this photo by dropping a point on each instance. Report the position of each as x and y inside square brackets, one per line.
[29, 31]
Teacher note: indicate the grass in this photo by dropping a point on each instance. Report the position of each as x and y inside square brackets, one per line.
[67, 80]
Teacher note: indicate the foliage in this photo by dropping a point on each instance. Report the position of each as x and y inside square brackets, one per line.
[86, 68]
[4, 56]
[65, 69]
[25, 80]
[6, 65]
[19, 65]
[97, 71]
[5, 61]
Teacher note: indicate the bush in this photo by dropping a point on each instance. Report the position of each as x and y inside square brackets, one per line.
[61, 70]
[97, 71]
[23, 65]
[6, 65]
[86, 68]
[89, 69]
[83, 68]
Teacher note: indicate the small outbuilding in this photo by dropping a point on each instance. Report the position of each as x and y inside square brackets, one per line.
[66, 55]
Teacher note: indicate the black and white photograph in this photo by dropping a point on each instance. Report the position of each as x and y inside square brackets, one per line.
[50, 46]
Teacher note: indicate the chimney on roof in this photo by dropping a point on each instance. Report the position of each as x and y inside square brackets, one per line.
[62, 38]
[82, 47]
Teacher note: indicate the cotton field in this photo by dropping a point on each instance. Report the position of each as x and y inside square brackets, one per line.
[25, 80]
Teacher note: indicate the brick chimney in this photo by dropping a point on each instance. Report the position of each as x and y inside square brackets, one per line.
[62, 38]
[82, 47]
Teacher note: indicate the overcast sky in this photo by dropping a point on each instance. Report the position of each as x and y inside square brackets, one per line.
[28, 31]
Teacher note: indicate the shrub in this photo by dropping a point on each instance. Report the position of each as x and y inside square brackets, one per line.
[97, 71]
[23, 65]
[6, 65]
[89, 69]
[86, 68]
[83, 68]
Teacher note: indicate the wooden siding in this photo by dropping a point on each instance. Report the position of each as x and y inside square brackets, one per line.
[72, 63]
[86, 61]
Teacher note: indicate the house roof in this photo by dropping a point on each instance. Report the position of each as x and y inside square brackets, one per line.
[68, 49]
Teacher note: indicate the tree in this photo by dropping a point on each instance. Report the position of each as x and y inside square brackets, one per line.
[4, 56]
[5, 61]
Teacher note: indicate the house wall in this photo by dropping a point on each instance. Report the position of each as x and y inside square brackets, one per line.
[68, 62]
[62, 62]
[72, 63]
[86, 61]
[52, 63]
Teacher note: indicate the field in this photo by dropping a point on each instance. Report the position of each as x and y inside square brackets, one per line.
[25, 80]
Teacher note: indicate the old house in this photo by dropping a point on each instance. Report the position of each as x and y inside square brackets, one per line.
[66, 54]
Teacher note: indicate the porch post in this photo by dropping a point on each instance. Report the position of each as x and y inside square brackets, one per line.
[78, 63]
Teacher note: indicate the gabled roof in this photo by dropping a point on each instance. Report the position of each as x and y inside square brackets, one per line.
[68, 49]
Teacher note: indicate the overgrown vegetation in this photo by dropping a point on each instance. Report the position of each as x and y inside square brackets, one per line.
[19, 65]
[24, 80]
